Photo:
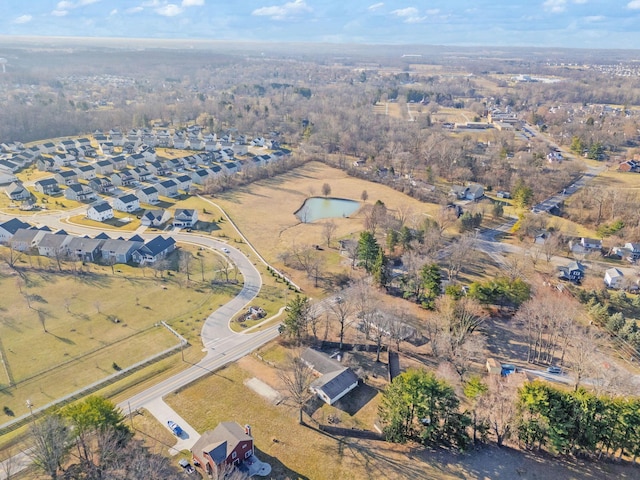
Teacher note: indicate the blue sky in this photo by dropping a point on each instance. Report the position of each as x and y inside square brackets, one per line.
[547, 23]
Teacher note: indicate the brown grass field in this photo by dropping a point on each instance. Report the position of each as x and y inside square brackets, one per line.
[78, 310]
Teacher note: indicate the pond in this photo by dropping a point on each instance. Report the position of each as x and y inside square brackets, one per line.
[316, 208]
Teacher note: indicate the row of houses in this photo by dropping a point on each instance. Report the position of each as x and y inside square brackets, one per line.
[102, 211]
[24, 238]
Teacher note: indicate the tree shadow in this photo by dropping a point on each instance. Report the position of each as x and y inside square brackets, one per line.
[68, 341]
[278, 469]
[355, 400]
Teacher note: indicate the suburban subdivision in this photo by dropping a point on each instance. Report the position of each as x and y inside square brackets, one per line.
[236, 262]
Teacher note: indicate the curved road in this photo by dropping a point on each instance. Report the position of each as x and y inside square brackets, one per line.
[221, 344]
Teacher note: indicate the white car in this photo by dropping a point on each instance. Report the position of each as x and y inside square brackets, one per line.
[225, 250]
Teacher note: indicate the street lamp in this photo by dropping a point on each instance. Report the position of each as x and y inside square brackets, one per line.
[30, 407]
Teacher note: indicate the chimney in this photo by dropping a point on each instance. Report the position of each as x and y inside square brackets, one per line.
[247, 429]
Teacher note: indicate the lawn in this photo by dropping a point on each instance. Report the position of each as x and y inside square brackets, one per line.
[96, 320]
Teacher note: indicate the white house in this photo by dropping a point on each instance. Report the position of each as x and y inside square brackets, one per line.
[334, 379]
[155, 218]
[100, 212]
[126, 203]
[613, 278]
[185, 218]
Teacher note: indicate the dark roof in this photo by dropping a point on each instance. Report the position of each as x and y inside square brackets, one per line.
[320, 362]
[169, 183]
[45, 182]
[103, 236]
[136, 238]
[67, 173]
[128, 198]
[157, 245]
[149, 190]
[13, 225]
[335, 383]
[101, 207]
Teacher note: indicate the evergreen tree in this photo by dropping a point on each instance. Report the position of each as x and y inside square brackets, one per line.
[367, 250]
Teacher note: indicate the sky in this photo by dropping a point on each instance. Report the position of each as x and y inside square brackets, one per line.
[540, 23]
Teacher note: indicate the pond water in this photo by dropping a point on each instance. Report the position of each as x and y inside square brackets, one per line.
[316, 208]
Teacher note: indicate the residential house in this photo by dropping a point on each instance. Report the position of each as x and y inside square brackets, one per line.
[85, 249]
[155, 218]
[101, 185]
[141, 174]
[65, 145]
[9, 228]
[167, 188]
[334, 380]
[106, 148]
[86, 172]
[591, 243]
[119, 162]
[7, 178]
[100, 212]
[104, 167]
[471, 192]
[157, 168]
[573, 272]
[45, 164]
[154, 250]
[119, 251]
[175, 164]
[127, 203]
[66, 177]
[613, 278]
[54, 245]
[200, 176]
[82, 142]
[116, 137]
[634, 250]
[163, 139]
[88, 152]
[185, 218]
[79, 193]
[16, 192]
[148, 195]
[136, 160]
[64, 160]
[47, 147]
[184, 182]
[180, 141]
[123, 179]
[9, 166]
[47, 186]
[227, 444]
[26, 239]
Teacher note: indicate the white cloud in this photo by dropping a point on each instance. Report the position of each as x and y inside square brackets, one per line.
[64, 5]
[376, 6]
[406, 12]
[192, 3]
[595, 18]
[134, 10]
[169, 10]
[86, 2]
[282, 12]
[634, 5]
[580, 2]
[409, 14]
[151, 3]
[433, 11]
[59, 13]
[23, 19]
[555, 6]
[113, 12]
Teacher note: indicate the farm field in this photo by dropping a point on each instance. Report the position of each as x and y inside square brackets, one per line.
[62, 330]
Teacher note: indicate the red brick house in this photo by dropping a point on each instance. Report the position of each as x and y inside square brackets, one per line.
[227, 444]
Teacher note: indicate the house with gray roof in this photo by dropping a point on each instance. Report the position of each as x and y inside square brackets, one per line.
[79, 193]
[334, 380]
[155, 218]
[16, 191]
[85, 249]
[185, 218]
[54, 245]
[66, 177]
[26, 239]
[167, 188]
[119, 251]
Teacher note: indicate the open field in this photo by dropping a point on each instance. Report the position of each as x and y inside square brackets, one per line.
[264, 211]
[96, 320]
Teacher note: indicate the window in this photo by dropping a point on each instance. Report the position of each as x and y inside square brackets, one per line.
[247, 454]
[234, 455]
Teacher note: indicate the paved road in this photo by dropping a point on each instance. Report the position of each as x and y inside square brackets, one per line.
[221, 344]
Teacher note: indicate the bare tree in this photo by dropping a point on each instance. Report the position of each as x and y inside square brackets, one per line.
[185, 263]
[583, 355]
[297, 377]
[341, 309]
[326, 189]
[498, 406]
[50, 444]
[461, 253]
[8, 463]
[328, 230]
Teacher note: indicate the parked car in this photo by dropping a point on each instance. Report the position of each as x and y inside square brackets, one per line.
[554, 370]
[188, 468]
[175, 428]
